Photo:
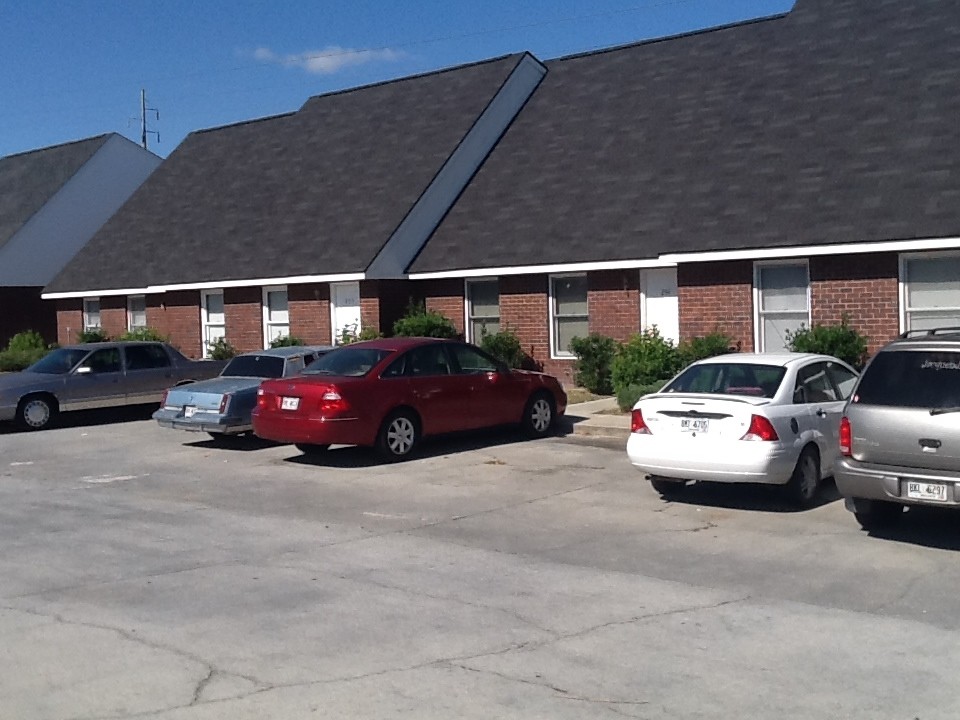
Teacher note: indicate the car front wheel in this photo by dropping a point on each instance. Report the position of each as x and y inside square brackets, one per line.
[399, 436]
[36, 412]
[538, 415]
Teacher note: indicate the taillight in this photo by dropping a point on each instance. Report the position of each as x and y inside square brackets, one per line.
[163, 400]
[224, 401]
[261, 398]
[638, 424]
[760, 429]
[846, 437]
[333, 403]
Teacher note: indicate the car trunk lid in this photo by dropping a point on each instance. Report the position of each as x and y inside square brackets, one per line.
[713, 418]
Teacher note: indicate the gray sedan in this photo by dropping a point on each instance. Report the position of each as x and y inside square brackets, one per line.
[96, 375]
[222, 406]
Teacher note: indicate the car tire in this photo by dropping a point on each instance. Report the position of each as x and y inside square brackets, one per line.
[877, 514]
[37, 412]
[804, 484]
[667, 487]
[399, 436]
[311, 449]
[538, 415]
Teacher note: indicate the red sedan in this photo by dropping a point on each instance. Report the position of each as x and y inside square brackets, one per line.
[391, 393]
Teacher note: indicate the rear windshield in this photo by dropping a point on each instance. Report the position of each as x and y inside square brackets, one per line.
[911, 378]
[59, 362]
[729, 379]
[265, 366]
[347, 361]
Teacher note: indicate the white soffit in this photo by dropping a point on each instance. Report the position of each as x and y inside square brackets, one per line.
[815, 250]
[540, 269]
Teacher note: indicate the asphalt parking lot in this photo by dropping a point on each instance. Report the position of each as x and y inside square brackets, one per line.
[148, 573]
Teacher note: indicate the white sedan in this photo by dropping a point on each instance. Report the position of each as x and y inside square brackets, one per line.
[745, 417]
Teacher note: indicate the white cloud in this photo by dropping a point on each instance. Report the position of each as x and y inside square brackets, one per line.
[329, 60]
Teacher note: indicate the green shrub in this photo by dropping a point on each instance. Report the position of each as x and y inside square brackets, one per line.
[220, 349]
[646, 358]
[698, 348]
[595, 355]
[350, 335]
[142, 333]
[286, 341]
[505, 346]
[23, 350]
[841, 341]
[627, 396]
[420, 322]
[27, 341]
[91, 336]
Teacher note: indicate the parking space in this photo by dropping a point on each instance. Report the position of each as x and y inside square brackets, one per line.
[148, 572]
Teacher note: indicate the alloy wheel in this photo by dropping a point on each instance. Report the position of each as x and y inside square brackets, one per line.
[401, 435]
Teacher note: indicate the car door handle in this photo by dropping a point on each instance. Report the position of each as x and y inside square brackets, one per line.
[821, 412]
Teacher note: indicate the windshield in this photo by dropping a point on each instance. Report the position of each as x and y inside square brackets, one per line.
[729, 379]
[347, 361]
[59, 361]
[263, 366]
[911, 378]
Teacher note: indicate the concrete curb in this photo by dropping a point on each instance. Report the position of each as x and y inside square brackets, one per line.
[589, 419]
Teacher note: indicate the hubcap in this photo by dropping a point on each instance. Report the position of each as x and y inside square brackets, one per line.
[400, 436]
[540, 415]
[36, 413]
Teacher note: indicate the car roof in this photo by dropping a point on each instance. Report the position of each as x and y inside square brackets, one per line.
[289, 350]
[782, 358]
[398, 343]
[110, 344]
[947, 338]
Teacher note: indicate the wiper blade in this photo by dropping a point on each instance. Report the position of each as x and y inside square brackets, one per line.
[944, 410]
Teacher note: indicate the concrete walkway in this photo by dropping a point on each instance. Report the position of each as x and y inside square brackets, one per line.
[599, 418]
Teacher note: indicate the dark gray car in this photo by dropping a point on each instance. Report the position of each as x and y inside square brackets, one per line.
[96, 375]
[222, 406]
[900, 433]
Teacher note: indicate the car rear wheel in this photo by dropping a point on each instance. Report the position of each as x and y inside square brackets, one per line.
[876, 514]
[312, 449]
[36, 412]
[538, 415]
[667, 487]
[398, 436]
[804, 484]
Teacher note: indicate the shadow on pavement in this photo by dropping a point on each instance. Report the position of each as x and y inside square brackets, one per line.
[90, 418]
[751, 497]
[927, 526]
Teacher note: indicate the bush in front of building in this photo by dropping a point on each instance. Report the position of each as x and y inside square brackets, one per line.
[350, 335]
[221, 349]
[92, 335]
[644, 360]
[142, 334]
[627, 396]
[841, 341]
[23, 350]
[420, 322]
[699, 348]
[595, 354]
[286, 341]
[505, 346]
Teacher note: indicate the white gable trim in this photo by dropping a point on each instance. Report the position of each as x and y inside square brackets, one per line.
[802, 251]
[535, 269]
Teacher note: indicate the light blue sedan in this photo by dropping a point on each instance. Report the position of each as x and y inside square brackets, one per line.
[222, 406]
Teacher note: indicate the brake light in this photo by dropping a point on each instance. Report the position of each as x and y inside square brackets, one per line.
[638, 424]
[846, 437]
[261, 398]
[224, 401]
[332, 402]
[761, 430]
[163, 400]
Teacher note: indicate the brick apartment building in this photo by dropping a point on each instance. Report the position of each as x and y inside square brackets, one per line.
[748, 179]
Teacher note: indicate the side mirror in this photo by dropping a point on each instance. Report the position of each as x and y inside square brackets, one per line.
[83, 370]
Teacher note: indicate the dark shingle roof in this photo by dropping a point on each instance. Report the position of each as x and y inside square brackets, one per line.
[29, 180]
[318, 191]
[837, 122]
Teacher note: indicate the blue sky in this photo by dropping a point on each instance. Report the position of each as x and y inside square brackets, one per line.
[75, 68]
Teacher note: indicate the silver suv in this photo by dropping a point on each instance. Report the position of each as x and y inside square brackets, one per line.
[900, 431]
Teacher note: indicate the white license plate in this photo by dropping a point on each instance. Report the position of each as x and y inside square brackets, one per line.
[927, 491]
[189, 410]
[289, 403]
[694, 425]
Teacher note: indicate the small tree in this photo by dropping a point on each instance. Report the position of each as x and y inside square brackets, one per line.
[645, 359]
[841, 341]
[595, 355]
[420, 322]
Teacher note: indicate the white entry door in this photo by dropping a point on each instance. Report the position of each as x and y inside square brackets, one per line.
[658, 302]
[344, 310]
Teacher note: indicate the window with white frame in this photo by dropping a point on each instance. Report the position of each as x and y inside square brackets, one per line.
[782, 299]
[931, 291]
[483, 308]
[276, 314]
[136, 312]
[568, 312]
[91, 313]
[213, 320]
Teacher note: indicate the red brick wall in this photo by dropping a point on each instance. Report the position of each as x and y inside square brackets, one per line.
[243, 308]
[177, 316]
[613, 302]
[22, 309]
[113, 315]
[69, 320]
[446, 297]
[865, 288]
[310, 312]
[717, 297]
[369, 305]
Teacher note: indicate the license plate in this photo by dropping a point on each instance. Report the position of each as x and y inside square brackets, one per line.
[694, 425]
[289, 403]
[927, 491]
[189, 411]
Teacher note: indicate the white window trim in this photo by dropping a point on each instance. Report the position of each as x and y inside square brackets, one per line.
[467, 304]
[757, 317]
[130, 298]
[205, 323]
[84, 313]
[902, 280]
[334, 338]
[555, 354]
[265, 317]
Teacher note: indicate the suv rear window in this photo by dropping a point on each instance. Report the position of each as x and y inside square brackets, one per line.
[911, 378]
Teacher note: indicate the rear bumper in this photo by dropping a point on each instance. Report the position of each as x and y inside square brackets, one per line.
[315, 431]
[872, 482]
[7, 412]
[202, 422]
[769, 463]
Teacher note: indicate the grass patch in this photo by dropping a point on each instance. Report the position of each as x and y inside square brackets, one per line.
[579, 395]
